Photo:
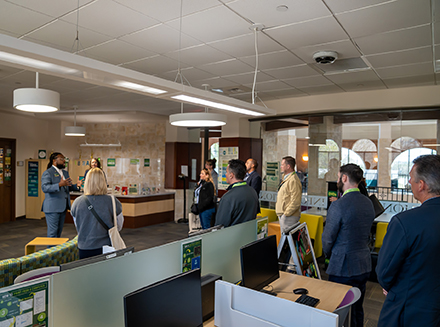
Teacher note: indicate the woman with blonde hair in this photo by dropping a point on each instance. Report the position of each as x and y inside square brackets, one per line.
[92, 236]
[205, 198]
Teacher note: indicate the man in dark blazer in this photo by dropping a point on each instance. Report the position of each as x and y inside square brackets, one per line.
[408, 268]
[56, 185]
[346, 235]
[252, 178]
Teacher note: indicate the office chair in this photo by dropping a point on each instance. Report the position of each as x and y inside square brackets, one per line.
[36, 273]
[343, 311]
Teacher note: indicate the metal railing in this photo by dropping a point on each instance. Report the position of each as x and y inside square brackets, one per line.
[393, 194]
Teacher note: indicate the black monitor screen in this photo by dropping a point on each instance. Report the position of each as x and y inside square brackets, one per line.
[96, 258]
[172, 302]
[259, 263]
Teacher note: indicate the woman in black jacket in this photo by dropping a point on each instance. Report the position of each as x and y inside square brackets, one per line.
[205, 198]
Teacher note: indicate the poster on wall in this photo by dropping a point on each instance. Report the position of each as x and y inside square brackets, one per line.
[272, 176]
[225, 154]
[25, 304]
[146, 162]
[111, 162]
[33, 178]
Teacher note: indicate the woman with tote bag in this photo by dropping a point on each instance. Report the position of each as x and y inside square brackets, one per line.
[94, 214]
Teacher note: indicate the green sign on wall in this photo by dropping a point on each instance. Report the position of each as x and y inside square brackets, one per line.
[111, 162]
[146, 162]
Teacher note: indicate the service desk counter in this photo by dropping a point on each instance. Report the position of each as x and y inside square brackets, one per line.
[141, 210]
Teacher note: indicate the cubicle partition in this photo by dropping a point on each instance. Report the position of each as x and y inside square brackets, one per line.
[92, 295]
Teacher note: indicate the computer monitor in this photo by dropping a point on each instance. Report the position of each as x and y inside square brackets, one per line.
[259, 263]
[173, 302]
[96, 258]
[204, 231]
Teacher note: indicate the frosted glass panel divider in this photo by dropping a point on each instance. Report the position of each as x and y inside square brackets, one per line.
[92, 295]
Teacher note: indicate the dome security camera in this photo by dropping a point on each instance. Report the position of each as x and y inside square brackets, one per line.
[325, 57]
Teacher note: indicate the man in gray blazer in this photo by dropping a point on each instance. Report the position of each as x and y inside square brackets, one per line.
[56, 185]
[346, 235]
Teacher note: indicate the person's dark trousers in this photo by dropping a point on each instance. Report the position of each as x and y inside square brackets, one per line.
[205, 217]
[55, 223]
[89, 253]
[359, 281]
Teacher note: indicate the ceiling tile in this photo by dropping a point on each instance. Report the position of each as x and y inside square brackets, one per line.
[154, 65]
[405, 70]
[160, 39]
[215, 83]
[414, 37]
[227, 67]
[168, 10]
[10, 19]
[410, 81]
[344, 48]
[52, 8]
[212, 24]
[392, 15]
[280, 94]
[247, 78]
[117, 52]
[266, 13]
[323, 89]
[244, 45]
[269, 86]
[273, 60]
[100, 16]
[307, 81]
[362, 86]
[405, 57]
[190, 74]
[292, 72]
[199, 55]
[338, 6]
[62, 35]
[353, 77]
[319, 31]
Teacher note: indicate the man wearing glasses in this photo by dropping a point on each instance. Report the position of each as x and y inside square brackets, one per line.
[56, 185]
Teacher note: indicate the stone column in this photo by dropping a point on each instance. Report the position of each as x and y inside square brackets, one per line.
[318, 134]
[384, 155]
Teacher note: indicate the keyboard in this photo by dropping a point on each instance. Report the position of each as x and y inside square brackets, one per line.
[307, 300]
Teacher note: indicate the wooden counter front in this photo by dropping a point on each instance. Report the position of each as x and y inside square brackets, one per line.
[141, 210]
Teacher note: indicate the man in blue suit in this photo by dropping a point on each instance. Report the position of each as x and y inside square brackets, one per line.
[252, 178]
[346, 235]
[56, 185]
[408, 268]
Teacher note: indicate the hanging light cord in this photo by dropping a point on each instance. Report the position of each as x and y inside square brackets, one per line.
[256, 66]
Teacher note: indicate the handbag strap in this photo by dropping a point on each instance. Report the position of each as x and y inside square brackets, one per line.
[115, 222]
[92, 210]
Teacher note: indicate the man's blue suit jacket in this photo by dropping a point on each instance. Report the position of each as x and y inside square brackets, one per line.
[408, 267]
[57, 199]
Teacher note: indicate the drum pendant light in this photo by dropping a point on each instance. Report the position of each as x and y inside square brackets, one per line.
[74, 130]
[36, 99]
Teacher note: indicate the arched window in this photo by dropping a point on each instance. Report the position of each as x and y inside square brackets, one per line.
[364, 145]
[402, 164]
[349, 156]
[328, 156]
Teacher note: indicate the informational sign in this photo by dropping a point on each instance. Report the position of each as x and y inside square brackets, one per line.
[146, 162]
[272, 176]
[134, 162]
[25, 304]
[111, 162]
[191, 255]
[41, 154]
[33, 178]
[132, 189]
[225, 154]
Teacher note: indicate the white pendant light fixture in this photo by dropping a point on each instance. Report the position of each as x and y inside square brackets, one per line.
[36, 99]
[197, 119]
[74, 130]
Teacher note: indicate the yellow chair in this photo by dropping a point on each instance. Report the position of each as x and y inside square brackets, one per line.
[270, 213]
[315, 225]
[381, 230]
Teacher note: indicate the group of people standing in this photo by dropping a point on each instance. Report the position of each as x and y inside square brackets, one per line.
[57, 185]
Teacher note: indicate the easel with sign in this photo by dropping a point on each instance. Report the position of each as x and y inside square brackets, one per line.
[296, 245]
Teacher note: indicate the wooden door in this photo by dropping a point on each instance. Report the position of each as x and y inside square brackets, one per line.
[7, 180]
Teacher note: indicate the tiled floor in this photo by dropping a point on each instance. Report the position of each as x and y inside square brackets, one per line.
[15, 235]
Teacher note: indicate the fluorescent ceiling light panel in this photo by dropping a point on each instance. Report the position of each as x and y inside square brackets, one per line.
[139, 87]
[216, 105]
